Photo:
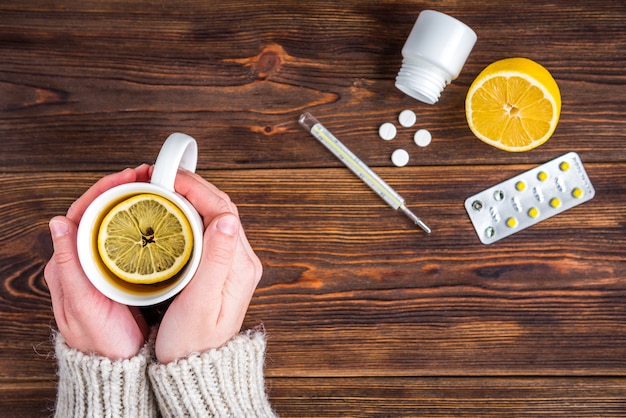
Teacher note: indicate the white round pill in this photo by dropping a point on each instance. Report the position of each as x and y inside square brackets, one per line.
[400, 157]
[407, 118]
[387, 131]
[422, 137]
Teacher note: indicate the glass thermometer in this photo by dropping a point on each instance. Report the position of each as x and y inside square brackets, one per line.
[358, 167]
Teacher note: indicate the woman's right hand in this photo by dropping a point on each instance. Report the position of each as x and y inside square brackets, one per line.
[210, 310]
[89, 321]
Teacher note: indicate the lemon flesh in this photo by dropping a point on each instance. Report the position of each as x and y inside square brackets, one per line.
[145, 239]
[514, 104]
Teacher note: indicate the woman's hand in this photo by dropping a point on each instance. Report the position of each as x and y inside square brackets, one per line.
[89, 321]
[206, 314]
[211, 308]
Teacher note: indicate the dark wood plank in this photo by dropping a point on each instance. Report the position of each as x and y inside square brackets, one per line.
[100, 87]
[359, 276]
[28, 399]
[424, 397]
[449, 397]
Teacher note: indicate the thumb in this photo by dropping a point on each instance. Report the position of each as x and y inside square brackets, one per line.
[220, 242]
[64, 270]
[63, 233]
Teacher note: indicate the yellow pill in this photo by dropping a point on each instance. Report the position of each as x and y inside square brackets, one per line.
[577, 193]
[520, 186]
[564, 166]
[555, 202]
[511, 222]
[533, 212]
[542, 176]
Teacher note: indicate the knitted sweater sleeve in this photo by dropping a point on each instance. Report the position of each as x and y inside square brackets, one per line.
[224, 382]
[94, 386]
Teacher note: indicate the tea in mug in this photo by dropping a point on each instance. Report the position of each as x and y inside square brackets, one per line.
[143, 242]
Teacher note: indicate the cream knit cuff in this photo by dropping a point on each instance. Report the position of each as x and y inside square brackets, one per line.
[95, 386]
[224, 382]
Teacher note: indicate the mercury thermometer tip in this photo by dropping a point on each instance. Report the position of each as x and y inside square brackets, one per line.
[415, 219]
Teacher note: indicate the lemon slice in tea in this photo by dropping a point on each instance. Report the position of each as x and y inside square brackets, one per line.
[145, 239]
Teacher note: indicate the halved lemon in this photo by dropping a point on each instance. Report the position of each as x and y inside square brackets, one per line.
[145, 239]
[514, 104]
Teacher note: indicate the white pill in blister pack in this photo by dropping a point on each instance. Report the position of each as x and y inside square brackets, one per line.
[529, 198]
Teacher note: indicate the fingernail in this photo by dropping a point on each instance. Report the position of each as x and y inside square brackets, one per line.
[228, 225]
[58, 228]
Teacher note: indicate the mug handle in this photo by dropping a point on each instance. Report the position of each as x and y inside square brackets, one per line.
[178, 150]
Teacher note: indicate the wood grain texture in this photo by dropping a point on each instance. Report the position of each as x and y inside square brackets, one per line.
[366, 315]
[424, 397]
[117, 79]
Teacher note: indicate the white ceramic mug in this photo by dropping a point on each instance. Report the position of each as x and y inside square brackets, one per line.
[179, 150]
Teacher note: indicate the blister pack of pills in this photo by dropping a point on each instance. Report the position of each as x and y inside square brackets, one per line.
[529, 198]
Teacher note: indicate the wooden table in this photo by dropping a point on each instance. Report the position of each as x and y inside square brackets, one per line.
[366, 314]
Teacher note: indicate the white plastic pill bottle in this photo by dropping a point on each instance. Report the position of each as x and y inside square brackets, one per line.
[433, 55]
